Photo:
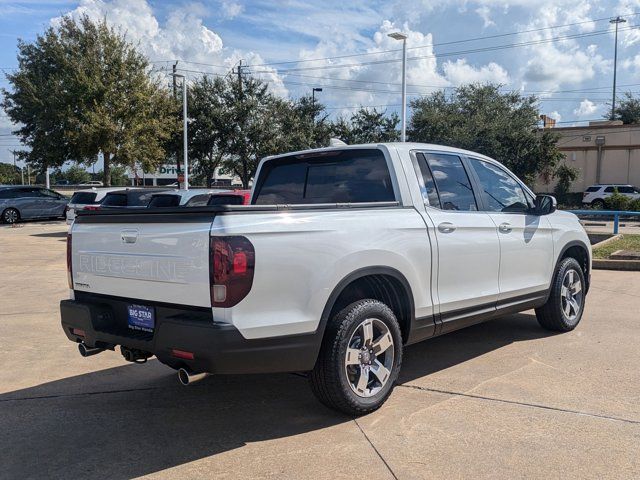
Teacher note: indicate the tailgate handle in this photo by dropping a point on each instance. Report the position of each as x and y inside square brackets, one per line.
[129, 236]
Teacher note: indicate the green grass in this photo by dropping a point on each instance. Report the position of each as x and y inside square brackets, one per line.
[627, 242]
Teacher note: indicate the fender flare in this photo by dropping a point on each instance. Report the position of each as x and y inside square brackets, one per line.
[360, 273]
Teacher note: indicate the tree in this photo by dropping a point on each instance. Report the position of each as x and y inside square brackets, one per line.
[367, 126]
[76, 175]
[627, 110]
[9, 174]
[566, 175]
[482, 119]
[81, 89]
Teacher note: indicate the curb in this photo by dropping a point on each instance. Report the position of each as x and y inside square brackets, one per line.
[605, 264]
[606, 240]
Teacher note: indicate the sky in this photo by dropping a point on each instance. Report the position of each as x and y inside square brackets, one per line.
[560, 50]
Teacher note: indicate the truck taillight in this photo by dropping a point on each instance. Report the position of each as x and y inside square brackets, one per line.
[232, 261]
[69, 262]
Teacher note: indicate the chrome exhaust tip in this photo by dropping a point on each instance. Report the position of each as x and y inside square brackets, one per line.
[88, 351]
[187, 377]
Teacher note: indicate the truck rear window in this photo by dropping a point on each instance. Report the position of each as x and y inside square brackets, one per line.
[341, 176]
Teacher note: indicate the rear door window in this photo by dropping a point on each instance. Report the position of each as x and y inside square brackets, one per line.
[341, 176]
[609, 189]
[452, 182]
[115, 200]
[626, 189]
[160, 201]
[226, 200]
[198, 201]
[84, 198]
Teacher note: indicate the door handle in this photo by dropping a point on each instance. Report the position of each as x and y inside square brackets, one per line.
[446, 227]
[505, 227]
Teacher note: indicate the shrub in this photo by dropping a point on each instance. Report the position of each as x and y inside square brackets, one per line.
[617, 201]
[634, 205]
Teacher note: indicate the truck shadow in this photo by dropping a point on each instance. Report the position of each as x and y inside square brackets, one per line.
[134, 420]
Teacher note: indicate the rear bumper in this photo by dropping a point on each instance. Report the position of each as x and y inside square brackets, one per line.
[217, 347]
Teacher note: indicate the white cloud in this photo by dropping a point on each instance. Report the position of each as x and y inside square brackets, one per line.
[586, 109]
[485, 14]
[555, 115]
[460, 72]
[231, 9]
[183, 36]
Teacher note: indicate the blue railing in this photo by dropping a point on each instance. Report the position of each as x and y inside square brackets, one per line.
[608, 213]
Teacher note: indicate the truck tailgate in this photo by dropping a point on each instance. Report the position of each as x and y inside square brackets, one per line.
[157, 261]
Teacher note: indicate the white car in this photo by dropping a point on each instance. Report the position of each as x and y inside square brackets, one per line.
[86, 198]
[345, 256]
[177, 198]
[595, 195]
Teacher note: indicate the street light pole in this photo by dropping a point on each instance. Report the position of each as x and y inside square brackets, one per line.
[184, 129]
[616, 21]
[403, 116]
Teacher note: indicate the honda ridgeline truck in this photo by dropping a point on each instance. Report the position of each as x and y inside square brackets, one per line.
[345, 256]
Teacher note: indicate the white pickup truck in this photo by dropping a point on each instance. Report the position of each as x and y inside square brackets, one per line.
[345, 256]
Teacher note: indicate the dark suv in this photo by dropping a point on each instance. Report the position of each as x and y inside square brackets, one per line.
[25, 202]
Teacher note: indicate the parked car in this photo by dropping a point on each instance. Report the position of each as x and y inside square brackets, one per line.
[345, 255]
[62, 183]
[596, 195]
[26, 202]
[221, 197]
[92, 183]
[128, 198]
[176, 198]
[89, 198]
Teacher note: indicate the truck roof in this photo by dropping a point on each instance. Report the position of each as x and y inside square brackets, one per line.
[401, 146]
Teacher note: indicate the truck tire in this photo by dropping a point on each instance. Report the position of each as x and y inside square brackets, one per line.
[360, 358]
[565, 304]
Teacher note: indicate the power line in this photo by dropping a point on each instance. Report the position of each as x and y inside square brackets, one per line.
[450, 54]
[487, 37]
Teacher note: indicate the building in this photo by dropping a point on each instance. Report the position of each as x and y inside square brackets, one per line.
[602, 152]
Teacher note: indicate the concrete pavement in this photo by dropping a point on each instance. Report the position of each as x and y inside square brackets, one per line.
[504, 399]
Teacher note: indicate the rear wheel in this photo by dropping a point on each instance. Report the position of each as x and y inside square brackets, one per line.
[10, 215]
[360, 358]
[598, 204]
[565, 305]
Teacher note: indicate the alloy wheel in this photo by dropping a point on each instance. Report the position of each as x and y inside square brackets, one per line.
[369, 357]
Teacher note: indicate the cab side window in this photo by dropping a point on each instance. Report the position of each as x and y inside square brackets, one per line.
[501, 192]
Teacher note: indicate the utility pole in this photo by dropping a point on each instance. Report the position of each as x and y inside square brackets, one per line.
[616, 21]
[313, 95]
[175, 95]
[239, 72]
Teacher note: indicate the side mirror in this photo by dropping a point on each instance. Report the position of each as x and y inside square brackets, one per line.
[545, 205]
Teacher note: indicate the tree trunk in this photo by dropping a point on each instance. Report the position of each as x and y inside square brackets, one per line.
[106, 170]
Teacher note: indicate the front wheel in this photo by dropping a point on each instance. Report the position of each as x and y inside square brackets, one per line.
[565, 305]
[360, 358]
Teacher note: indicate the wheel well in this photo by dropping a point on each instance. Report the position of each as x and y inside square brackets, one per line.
[383, 287]
[582, 256]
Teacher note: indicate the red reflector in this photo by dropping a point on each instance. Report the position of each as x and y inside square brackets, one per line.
[182, 354]
[92, 207]
[77, 331]
[239, 262]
